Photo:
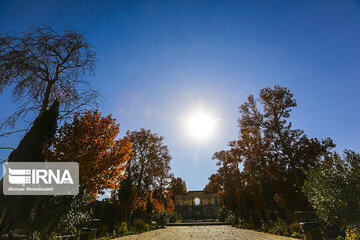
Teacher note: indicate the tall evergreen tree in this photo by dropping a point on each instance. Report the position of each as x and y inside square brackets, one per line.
[17, 210]
[42, 132]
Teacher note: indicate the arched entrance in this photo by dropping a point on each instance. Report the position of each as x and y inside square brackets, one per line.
[197, 205]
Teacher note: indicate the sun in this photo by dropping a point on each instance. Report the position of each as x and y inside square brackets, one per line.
[200, 125]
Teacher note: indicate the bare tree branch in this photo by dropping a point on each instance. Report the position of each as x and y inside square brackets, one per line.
[12, 132]
[41, 66]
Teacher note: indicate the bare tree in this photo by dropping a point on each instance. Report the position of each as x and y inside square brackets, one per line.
[40, 66]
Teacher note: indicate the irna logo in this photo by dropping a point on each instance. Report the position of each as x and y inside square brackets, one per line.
[41, 178]
[37, 176]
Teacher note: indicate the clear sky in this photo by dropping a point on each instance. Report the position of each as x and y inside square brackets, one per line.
[160, 60]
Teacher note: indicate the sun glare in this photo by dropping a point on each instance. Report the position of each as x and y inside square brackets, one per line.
[201, 125]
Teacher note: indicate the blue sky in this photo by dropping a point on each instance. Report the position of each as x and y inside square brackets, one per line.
[158, 60]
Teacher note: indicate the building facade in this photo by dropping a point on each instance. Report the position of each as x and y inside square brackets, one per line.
[197, 205]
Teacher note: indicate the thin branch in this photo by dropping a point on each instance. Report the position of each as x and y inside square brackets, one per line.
[12, 132]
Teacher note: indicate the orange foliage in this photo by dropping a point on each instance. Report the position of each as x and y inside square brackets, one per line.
[178, 186]
[264, 167]
[91, 141]
[213, 186]
[139, 203]
[165, 204]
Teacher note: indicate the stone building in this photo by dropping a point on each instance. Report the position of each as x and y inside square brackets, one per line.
[197, 205]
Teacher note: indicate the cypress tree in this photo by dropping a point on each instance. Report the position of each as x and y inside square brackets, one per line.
[40, 135]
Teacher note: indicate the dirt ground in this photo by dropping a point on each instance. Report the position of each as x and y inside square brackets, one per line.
[202, 233]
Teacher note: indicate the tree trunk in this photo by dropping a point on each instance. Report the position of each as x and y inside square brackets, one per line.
[46, 99]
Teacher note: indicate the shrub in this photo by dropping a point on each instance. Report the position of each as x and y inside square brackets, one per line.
[296, 235]
[295, 230]
[141, 226]
[149, 217]
[232, 219]
[175, 217]
[221, 215]
[246, 225]
[121, 229]
[265, 227]
[333, 189]
[163, 218]
[75, 232]
[281, 228]
[352, 232]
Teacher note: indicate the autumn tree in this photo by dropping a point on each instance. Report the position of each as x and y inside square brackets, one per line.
[228, 180]
[91, 140]
[178, 186]
[264, 167]
[271, 151]
[149, 166]
[42, 66]
[213, 186]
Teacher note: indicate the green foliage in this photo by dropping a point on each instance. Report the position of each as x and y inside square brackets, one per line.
[163, 218]
[295, 230]
[125, 192]
[221, 215]
[232, 218]
[140, 226]
[295, 235]
[121, 229]
[175, 217]
[245, 225]
[46, 216]
[59, 214]
[281, 227]
[75, 232]
[352, 232]
[265, 227]
[334, 189]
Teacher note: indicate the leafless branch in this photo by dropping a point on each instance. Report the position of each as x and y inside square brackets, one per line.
[12, 132]
[41, 66]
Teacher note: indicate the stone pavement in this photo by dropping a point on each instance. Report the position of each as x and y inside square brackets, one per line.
[204, 232]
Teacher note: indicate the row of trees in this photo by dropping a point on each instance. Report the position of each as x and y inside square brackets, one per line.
[266, 167]
[46, 71]
[271, 153]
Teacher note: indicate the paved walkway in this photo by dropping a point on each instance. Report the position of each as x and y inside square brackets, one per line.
[204, 232]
